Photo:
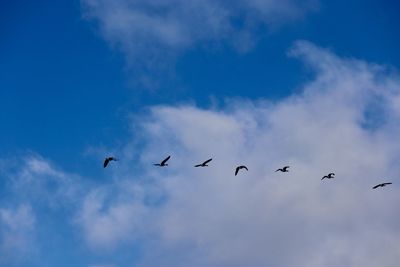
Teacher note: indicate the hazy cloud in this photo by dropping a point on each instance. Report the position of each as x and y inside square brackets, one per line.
[40, 180]
[346, 120]
[32, 187]
[152, 33]
[17, 225]
[108, 219]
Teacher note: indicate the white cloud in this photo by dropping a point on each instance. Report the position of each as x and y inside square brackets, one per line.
[151, 33]
[346, 121]
[108, 220]
[17, 227]
[34, 178]
[32, 188]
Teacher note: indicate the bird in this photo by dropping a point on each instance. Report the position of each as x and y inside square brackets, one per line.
[204, 164]
[329, 176]
[240, 167]
[380, 185]
[284, 169]
[163, 163]
[107, 160]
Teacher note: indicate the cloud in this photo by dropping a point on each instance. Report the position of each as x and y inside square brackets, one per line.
[35, 195]
[17, 225]
[108, 220]
[31, 177]
[152, 33]
[345, 120]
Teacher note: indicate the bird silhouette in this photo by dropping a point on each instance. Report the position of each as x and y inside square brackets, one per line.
[284, 169]
[240, 167]
[329, 176]
[204, 164]
[163, 163]
[107, 160]
[380, 185]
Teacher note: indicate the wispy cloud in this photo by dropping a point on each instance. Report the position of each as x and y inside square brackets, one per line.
[35, 178]
[33, 186]
[152, 33]
[345, 120]
[183, 216]
[17, 225]
[110, 220]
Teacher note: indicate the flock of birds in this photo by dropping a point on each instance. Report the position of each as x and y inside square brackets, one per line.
[164, 163]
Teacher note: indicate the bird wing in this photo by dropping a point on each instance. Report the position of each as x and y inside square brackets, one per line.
[244, 167]
[376, 186]
[331, 173]
[237, 170]
[165, 160]
[386, 183]
[198, 165]
[324, 177]
[286, 167]
[106, 161]
[207, 161]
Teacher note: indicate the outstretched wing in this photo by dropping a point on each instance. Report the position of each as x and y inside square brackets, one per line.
[244, 167]
[386, 183]
[198, 165]
[106, 161]
[207, 161]
[165, 160]
[324, 177]
[278, 170]
[237, 170]
[376, 186]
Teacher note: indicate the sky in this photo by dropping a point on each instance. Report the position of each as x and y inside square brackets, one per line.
[311, 84]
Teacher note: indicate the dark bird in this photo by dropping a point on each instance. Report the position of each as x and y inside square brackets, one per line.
[107, 160]
[380, 185]
[329, 176]
[163, 163]
[240, 167]
[284, 169]
[204, 164]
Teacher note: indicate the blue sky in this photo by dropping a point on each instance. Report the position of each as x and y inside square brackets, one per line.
[83, 79]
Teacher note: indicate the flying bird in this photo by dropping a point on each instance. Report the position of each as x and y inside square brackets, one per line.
[204, 164]
[163, 163]
[107, 160]
[240, 167]
[284, 169]
[380, 185]
[329, 176]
